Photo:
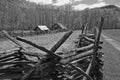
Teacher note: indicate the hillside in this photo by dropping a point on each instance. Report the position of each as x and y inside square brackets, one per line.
[110, 7]
[110, 13]
[112, 16]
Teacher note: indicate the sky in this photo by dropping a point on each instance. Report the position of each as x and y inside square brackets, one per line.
[79, 4]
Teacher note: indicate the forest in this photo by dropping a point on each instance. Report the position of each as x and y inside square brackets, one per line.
[25, 15]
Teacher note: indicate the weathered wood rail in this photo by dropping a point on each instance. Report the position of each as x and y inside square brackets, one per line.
[82, 63]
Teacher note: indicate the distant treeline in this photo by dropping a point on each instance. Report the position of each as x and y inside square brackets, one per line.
[23, 15]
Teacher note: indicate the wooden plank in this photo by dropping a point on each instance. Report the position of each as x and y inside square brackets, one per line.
[9, 51]
[7, 56]
[61, 41]
[99, 30]
[81, 71]
[89, 39]
[73, 71]
[35, 54]
[11, 76]
[78, 56]
[91, 36]
[77, 77]
[16, 62]
[80, 40]
[88, 69]
[15, 69]
[8, 59]
[84, 29]
[77, 60]
[85, 47]
[73, 76]
[77, 50]
[16, 76]
[83, 33]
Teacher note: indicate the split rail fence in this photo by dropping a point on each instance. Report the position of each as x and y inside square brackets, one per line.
[84, 62]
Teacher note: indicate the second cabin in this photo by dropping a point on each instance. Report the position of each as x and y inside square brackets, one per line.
[58, 27]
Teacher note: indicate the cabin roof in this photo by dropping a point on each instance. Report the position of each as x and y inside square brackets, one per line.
[42, 27]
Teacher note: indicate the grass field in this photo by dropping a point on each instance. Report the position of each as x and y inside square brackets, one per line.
[112, 62]
[111, 57]
[45, 40]
[114, 33]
